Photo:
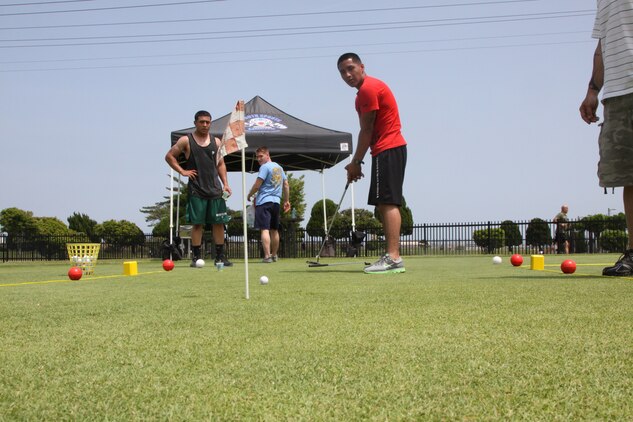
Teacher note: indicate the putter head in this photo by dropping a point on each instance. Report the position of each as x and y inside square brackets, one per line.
[315, 264]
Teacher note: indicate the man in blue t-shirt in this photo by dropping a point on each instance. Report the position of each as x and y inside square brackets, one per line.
[270, 189]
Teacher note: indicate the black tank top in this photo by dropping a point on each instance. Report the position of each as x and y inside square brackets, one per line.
[207, 185]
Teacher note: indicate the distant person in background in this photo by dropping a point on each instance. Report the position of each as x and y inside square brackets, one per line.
[613, 72]
[379, 132]
[562, 230]
[269, 190]
[207, 182]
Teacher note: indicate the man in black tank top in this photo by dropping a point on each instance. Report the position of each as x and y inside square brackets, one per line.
[208, 181]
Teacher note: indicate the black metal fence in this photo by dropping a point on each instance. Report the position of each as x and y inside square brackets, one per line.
[424, 239]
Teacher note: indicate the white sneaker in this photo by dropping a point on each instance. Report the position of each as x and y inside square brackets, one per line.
[385, 265]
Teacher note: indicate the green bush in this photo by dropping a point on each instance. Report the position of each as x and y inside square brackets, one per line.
[120, 233]
[538, 233]
[579, 243]
[512, 232]
[315, 224]
[613, 240]
[489, 239]
[53, 232]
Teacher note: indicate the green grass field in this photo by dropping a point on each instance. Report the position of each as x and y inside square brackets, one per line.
[453, 338]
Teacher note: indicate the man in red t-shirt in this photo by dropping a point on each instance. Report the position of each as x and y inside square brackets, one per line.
[379, 132]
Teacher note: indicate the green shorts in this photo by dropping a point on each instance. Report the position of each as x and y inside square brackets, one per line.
[616, 143]
[207, 211]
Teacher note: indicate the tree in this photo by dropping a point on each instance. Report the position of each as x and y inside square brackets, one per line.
[17, 222]
[120, 233]
[613, 240]
[406, 218]
[512, 233]
[617, 222]
[489, 239]
[315, 224]
[81, 223]
[53, 234]
[594, 224]
[157, 215]
[297, 196]
[363, 218]
[538, 233]
[50, 226]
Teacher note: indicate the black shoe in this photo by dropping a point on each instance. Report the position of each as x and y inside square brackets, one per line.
[193, 264]
[224, 260]
[623, 267]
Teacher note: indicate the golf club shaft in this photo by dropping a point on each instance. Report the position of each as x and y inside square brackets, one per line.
[332, 222]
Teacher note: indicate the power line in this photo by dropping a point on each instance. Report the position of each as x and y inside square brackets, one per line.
[278, 15]
[286, 57]
[101, 9]
[286, 29]
[302, 48]
[307, 30]
[43, 3]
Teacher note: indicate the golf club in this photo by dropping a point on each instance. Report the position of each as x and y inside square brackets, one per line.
[327, 235]
[320, 264]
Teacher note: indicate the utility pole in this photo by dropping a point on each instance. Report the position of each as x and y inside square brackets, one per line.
[609, 211]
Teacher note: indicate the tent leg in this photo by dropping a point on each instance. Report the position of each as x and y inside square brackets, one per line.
[171, 211]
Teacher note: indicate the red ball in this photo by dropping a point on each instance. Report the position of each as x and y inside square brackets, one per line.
[516, 260]
[568, 266]
[168, 265]
[75, 273]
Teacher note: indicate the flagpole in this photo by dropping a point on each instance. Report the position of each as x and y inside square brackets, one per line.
[234, 139]
[244, 222]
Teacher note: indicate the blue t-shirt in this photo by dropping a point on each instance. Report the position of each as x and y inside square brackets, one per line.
[272, 188]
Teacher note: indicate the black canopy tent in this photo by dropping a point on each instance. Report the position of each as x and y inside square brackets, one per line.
[293, 143]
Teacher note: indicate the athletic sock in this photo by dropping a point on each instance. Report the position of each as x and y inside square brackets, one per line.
[219, 251]
[196, 252]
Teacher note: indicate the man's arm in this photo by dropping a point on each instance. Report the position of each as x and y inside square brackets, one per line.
[285, 196]
[365, 137]
[180, 147]
[222, 169]
[590, 103]
[254, 189]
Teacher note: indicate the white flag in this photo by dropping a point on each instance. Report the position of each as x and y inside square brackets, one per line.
[234, 137]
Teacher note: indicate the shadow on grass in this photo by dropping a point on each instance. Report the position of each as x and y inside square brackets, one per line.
[544, 277]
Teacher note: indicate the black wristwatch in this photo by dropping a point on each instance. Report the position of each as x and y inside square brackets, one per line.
[359, 162]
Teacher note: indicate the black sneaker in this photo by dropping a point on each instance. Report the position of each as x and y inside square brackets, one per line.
[193, 264]
[224, 259]
[623, 267]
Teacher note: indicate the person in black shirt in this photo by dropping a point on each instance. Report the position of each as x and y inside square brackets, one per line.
[207, 184]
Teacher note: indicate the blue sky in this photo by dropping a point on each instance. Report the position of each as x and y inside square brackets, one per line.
[488, 94]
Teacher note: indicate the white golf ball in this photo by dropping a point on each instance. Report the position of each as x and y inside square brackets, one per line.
[497, 260]
[263, 279]
[200, 263]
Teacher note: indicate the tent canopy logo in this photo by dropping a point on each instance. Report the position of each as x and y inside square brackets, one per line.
[263, 123]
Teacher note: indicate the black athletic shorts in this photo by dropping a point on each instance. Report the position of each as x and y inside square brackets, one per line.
[387, 176]
[267, 216]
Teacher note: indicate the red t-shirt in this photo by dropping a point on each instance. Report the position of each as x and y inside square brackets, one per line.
[375, 95]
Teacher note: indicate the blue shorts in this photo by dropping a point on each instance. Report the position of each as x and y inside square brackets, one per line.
[267, 216]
